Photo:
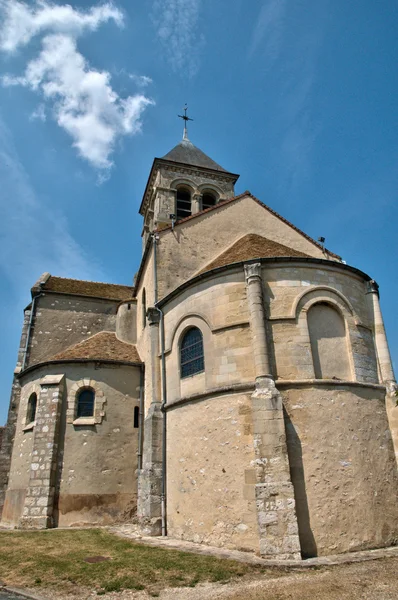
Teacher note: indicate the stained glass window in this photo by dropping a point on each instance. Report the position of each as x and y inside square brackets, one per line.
[192, 355]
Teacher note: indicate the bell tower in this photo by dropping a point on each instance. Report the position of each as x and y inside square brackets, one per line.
[183, 182]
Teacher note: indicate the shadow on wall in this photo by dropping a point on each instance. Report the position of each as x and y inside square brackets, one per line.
[307, 540]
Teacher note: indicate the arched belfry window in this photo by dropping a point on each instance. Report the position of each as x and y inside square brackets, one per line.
[184, 203]
[208, 200]
[85, 403]
[192, 358]
[32, 406]
[328, 338]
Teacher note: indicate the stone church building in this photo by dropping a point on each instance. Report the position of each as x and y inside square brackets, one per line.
[241, 394]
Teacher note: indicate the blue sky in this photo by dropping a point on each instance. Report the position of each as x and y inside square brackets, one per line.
[299, 97]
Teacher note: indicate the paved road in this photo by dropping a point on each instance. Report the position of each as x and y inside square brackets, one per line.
[8, 596]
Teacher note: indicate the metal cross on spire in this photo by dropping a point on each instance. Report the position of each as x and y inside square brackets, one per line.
[186, 119]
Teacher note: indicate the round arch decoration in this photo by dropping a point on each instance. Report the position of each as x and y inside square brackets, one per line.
[99, 404]
[330, 296]
[185, 323]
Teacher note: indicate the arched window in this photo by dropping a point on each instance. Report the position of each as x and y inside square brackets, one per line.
[328, 338]
[192, 358]
[184, 204]
[32, 406]
[143, 301]
[208, 199]
[85, 403]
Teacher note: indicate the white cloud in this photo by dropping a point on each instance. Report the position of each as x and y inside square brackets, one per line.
[176, 23]
[39, 113]
[33, 237]
[141, 80]
[22, 22]
[82, 99]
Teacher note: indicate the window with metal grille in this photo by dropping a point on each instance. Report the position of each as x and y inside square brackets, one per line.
[208, 200]
[85, 403]
[32, 405]
[184, 204]
[191, 353]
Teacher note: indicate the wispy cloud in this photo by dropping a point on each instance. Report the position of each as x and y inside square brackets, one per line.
[289, 58]
[39, 114]
[140, 80]
[268, 30]
[81, 98]
[34, 237]
[176, 23]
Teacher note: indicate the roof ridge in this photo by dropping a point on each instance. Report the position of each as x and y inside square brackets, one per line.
[90, 281]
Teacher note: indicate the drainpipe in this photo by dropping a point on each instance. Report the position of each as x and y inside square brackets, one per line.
[155, 238]
[140, 418]
[162, 408]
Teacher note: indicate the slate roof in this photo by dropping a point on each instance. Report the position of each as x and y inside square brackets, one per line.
[101, 346]
[185, 152]
[78, 287]
[251, 246]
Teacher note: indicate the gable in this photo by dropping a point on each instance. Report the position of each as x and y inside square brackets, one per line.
[197, 241]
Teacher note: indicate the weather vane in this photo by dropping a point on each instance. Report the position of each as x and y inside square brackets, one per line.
[186, 119]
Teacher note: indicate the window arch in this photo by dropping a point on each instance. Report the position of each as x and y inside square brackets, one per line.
[32, 407]
[192, 358]
[328, 337]
[208, 199]
[85, 403]
[184, 203]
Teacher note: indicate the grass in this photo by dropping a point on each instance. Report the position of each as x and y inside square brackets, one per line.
[56, 559]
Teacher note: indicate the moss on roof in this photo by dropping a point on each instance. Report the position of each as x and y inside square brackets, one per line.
[101, 346]
[251, 246]
[78, 287]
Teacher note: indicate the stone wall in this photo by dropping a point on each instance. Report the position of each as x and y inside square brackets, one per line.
[342, 467]
[96, 463]
[210, 474]
[62, 321]
[194, 244]
[338, 441]
[291, 291]
[6, 445]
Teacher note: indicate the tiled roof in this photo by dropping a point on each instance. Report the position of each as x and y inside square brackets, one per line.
[101, 346]
[251, 246]
[188, 154]
[250, 195]
[78, 287]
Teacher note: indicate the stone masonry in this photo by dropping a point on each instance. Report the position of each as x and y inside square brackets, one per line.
[39, 501]
[274, 491]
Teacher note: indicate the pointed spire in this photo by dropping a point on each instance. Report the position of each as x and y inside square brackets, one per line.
[186, 119]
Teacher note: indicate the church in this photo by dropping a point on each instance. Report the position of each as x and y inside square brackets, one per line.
[241, 394]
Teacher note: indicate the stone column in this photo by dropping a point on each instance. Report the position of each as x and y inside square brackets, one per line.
[276, 514]
[383, 352]
[196, 203]
[385, 363]
[150, 476]
[257, 319]
[39, 501]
